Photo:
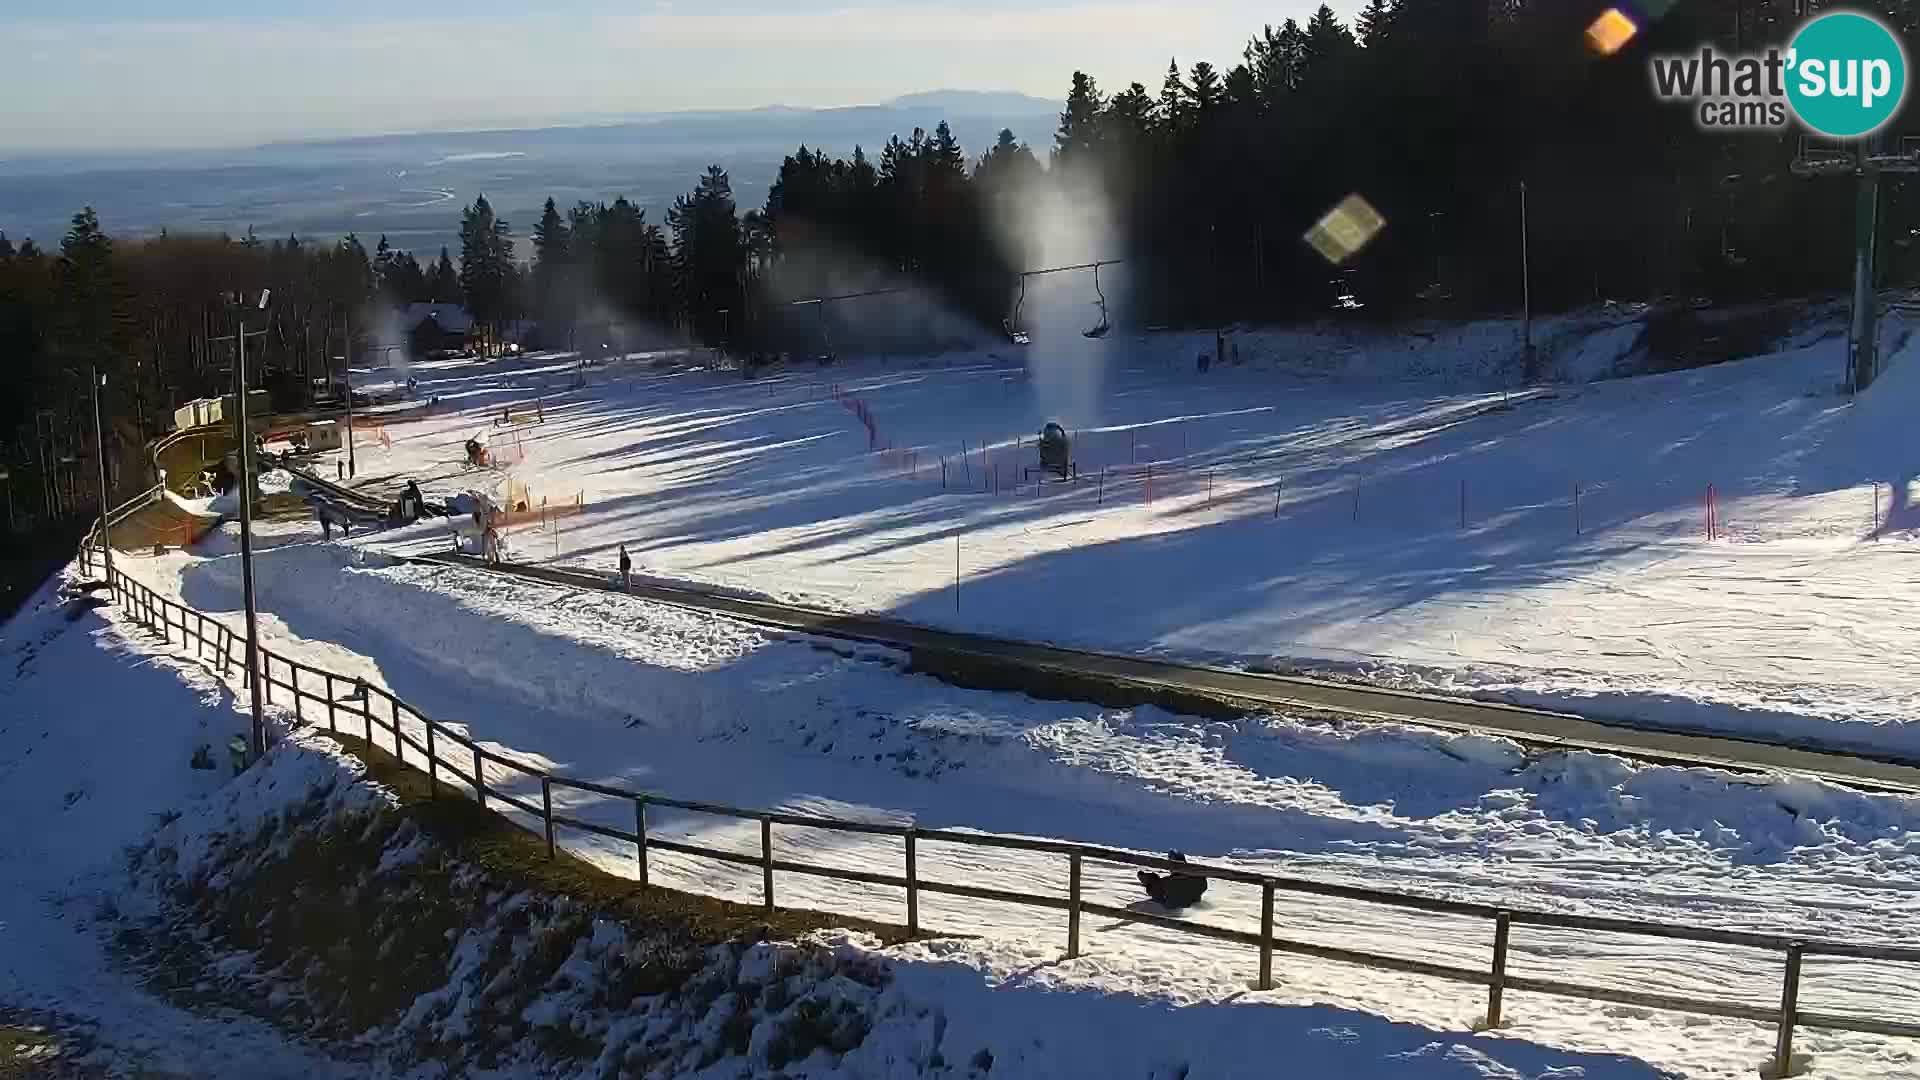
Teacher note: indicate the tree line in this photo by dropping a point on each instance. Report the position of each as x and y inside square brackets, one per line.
[1435, 111]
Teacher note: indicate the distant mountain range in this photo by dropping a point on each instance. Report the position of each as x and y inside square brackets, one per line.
[975, 115]
[411, 187]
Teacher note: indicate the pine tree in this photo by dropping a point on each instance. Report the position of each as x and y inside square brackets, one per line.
[6, 246]
[1009, 167]
[443, 282]
[1274, 57]
[1079, 131]
[95, 318]
[1131, 116]
[1239, 89]
[707, 252]
[1325, 47]
[29, 251]
[945, 159]
[1374, 24]
[1204, 93]
[486, 266]
[1173, 101]
[551, 283]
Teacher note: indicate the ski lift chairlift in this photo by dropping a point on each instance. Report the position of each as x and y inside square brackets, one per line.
[826, 339]
[1015, 332]
[1099, 329]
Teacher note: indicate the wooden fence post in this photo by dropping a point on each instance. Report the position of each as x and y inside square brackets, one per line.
[332, 707]
[293, 676]
[766, 859]
[399, 746]
[433, 762]
[479, 777]
[1789, 1012]
[546, 809]
[1073, 905]
[1266, 935]
[1497, 989]
[913, 890]
[640, 835]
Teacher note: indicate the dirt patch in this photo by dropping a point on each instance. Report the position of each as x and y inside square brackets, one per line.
[412, 929]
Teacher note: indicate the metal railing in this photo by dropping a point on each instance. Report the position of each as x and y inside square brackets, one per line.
[321, 690]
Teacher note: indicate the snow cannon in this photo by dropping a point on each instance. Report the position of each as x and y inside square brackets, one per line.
[1056, 452]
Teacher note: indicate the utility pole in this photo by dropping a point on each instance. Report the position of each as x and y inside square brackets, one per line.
[245, 487]
[346, 377]
[94, 382]
[1866, 206]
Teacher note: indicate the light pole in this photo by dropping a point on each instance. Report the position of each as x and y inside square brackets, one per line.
[347, 366]
[346, 377]
[1433, 241]
[94, 383]
[244, 485]
[1526, 290]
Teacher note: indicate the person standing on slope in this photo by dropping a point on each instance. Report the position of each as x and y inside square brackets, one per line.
[626, 570]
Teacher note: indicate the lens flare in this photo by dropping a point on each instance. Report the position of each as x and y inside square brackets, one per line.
[1610, 32]
[1345, 229]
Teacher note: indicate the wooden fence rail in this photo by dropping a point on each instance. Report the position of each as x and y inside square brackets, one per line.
[321, 689]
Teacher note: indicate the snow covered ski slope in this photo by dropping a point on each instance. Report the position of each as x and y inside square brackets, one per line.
[1724, 548]
[625, 692]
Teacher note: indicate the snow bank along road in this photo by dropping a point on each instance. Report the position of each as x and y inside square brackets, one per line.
[632, 694]
[1270, 691]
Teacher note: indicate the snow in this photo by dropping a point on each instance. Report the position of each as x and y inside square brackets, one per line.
[96, 737]
[617, 690]
[917, 1011]
[767, 487]
[1304, 513]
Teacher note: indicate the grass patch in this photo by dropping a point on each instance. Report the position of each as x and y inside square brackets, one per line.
[25, 1051]
[490, 841]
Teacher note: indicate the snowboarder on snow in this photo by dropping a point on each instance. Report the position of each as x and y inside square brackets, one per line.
[626, 570]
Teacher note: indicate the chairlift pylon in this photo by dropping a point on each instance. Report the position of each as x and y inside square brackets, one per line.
[1099, 329]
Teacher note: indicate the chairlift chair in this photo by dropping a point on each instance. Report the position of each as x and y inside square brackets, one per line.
[1015, 332]
[826, 339]
[1099, 329]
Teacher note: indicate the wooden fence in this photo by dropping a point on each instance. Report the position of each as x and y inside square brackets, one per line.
[357, 713]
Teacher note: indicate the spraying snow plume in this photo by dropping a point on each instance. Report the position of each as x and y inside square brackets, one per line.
[1065, 218]
[912, 320]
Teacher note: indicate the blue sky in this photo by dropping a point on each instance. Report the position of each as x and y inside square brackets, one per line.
[119, 74]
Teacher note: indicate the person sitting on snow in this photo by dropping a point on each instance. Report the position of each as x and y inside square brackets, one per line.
[1174, 890]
